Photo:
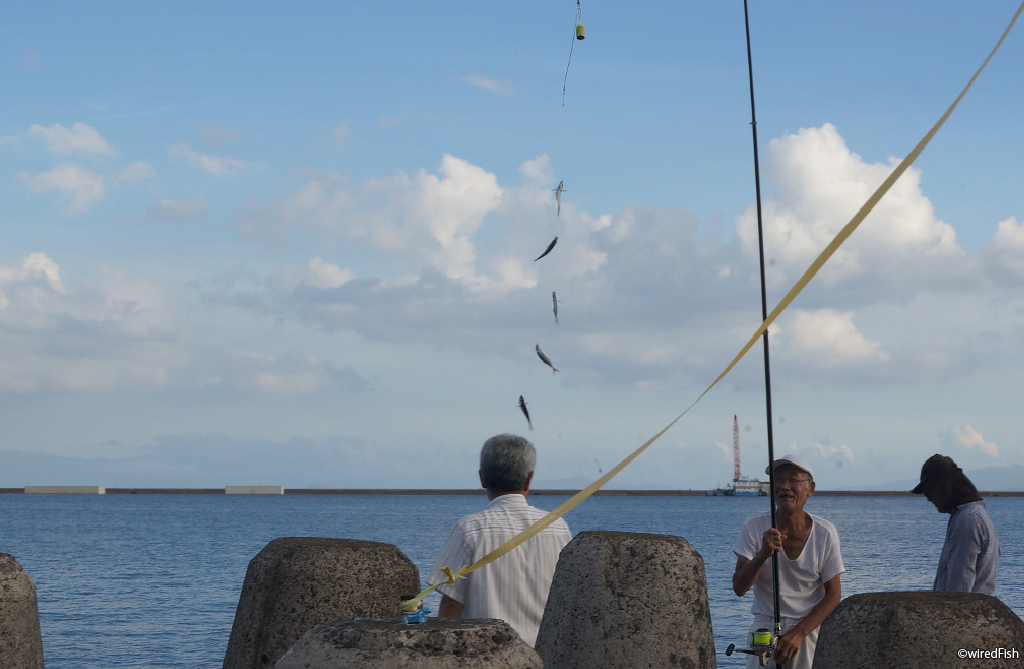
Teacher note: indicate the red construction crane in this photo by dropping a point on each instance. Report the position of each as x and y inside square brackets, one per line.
[735, 449]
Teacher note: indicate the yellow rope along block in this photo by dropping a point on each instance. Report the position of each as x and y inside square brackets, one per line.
[818, 263]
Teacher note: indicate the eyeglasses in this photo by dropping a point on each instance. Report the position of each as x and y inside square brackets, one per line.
[779, 482]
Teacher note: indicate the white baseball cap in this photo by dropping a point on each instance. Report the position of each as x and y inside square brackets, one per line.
[794, 460]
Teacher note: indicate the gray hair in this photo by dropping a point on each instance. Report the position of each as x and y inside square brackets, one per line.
[506, 461]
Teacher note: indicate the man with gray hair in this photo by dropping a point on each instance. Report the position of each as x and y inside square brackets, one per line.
[513, 588]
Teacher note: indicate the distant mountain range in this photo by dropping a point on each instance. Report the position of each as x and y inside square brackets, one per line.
[995, 479]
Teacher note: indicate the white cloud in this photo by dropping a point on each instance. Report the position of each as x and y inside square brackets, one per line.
[33, 268]
[971, 439]
[136, 171]
[827, 337]
[178, 210]
[538, 170]
[489, 84]
[80, 186]
[817, 184]
[432, 218]
[116, 334]
[212, 164]
[324, 275]
[80, 137]
[1005, 253]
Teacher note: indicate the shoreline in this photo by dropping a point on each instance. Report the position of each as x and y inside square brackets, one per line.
[474, 491]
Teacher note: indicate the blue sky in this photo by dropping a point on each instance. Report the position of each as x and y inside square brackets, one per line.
[269, 244]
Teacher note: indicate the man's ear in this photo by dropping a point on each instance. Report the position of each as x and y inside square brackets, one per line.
[480, 473]
[529, 480]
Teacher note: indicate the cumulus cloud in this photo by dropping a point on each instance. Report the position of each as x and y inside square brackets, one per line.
[178, 211]
[969, 438]
[80, 187]
[538, 170]
[249, 371]
[118, 333]
[817, 184]
[828, 336]
[1005, 252]
[322, 274]
[489, 84]
[214, 165]
[78, 138]
[136, 171]
[432, 217]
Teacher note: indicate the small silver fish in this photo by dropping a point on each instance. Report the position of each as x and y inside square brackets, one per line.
[558, 195]
[554, 302]
[546, 360]
[547, 250]
[522, 405]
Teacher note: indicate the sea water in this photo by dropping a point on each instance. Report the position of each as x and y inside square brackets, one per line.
[152, 581]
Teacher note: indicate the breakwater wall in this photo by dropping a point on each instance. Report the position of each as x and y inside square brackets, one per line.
[281, 490]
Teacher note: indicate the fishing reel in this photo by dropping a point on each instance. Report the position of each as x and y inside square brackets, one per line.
[762, 643]
[414, 616]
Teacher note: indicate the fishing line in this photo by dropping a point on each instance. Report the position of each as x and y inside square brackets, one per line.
[822, 258]
[577, 34]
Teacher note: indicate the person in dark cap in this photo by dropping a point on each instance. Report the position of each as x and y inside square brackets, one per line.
[969, 560]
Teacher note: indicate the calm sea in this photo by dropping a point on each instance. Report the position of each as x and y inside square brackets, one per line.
[152, 581]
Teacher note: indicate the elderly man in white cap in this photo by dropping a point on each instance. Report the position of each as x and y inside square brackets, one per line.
[809, 566]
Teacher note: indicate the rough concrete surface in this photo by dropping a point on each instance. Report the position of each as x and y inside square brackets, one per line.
[620, 599]
[919, 630]
[463, 643]
[294, 584]
[21, 644]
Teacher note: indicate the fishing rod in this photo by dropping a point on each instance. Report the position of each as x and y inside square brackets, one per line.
[762, 642]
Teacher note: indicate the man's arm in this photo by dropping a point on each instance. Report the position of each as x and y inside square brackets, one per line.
[449, 608]
[964, 548]
[790, 642]
[747, 570]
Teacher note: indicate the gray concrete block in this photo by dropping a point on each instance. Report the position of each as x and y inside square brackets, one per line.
[450, 643]
[620, 599]
[294, 584]
[21, 644]
[920, 630]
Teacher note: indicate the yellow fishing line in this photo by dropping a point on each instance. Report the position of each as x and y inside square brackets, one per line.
[819, 262]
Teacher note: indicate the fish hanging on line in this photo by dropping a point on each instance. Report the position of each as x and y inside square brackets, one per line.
[554, 303]
[547, 250]
[546, 360]
[558, 196]
[522, 405]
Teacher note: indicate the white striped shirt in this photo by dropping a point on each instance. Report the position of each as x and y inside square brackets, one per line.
[513, 588]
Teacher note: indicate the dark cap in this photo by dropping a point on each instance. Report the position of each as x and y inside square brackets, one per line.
[937, 466]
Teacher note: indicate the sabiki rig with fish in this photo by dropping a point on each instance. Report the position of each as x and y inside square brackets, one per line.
[546, 360]
[522, 406]
[547, 250]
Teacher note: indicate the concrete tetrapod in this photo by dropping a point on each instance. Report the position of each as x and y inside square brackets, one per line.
[296, 583]
[449, 643]
[21, 643]
[920, 630]
[622, 600]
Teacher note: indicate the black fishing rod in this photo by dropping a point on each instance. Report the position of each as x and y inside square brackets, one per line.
[761, 644]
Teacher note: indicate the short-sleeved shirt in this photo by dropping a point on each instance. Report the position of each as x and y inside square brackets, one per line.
[970, 557]
[513, 588]
[801, 581]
